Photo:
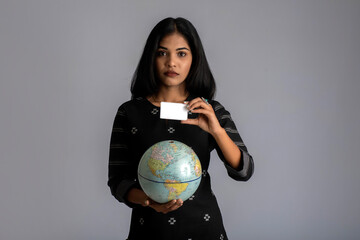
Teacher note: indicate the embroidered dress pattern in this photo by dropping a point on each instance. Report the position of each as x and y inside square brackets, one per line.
[171, 130]
[154, 111]
[134, 130]
[172, 221]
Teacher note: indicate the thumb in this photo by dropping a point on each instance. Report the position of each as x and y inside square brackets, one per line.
[190, 121]
[146, 203]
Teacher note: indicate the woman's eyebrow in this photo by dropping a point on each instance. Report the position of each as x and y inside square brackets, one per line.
[178, 49]
[183, 48]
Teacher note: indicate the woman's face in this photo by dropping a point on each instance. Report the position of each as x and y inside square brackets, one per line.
[173, 60]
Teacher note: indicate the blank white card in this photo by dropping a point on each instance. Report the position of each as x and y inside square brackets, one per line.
[173, 111]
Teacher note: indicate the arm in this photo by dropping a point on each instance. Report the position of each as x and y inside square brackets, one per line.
[246, 168]
[217, 121]
[231, 152]
[122, 173]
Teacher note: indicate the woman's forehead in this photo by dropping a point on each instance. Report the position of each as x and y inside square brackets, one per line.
[174, 40]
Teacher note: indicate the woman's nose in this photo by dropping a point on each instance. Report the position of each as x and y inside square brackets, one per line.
[171, 61]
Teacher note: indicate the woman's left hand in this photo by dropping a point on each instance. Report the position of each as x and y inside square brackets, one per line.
[207, 119]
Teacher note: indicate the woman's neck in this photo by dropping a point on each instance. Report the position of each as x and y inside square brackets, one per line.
[170, 95]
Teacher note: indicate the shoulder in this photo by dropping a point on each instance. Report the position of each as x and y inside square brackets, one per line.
[217, 106]
[221, 112]
[132, 104]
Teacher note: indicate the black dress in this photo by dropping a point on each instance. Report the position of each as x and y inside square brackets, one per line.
[137, 126]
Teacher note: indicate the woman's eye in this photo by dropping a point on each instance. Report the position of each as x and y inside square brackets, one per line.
[161, 53]
[182, 54]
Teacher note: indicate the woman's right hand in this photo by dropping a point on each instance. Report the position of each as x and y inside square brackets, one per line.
[138, 196]
[165, 207]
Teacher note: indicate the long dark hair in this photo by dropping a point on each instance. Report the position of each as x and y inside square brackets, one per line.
[199, 82]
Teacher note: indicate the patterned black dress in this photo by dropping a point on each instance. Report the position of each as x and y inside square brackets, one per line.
[137, 126]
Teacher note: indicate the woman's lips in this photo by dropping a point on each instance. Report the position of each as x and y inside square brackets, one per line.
[171, 74]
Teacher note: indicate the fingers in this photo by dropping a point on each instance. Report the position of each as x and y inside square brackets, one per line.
[202, 111]
[178, 203]
[206, 119]
[195, 121]
[172, 205]
[200, 106]
[191, 121]
[198, 103]
[167, 207]
[205, 100]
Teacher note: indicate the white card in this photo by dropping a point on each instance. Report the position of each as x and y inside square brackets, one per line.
[173, 111]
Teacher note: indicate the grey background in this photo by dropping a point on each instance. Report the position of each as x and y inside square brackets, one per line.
[288, 71]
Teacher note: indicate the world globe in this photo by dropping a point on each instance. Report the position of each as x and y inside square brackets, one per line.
[169, 170]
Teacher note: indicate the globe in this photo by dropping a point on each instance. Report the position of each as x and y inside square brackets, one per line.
[169, 170]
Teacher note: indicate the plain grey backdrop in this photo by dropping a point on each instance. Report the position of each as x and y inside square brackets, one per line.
[288, 71]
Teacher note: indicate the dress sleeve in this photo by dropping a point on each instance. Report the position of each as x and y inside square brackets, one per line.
[246, 168]
[121, 175]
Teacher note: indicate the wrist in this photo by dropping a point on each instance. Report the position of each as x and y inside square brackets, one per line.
[137, 196]
[218, 133]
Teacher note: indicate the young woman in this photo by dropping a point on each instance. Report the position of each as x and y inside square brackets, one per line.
[173, 68]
